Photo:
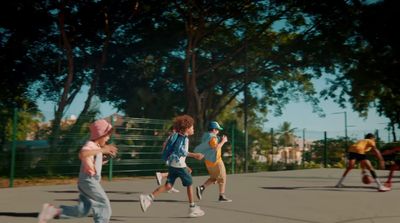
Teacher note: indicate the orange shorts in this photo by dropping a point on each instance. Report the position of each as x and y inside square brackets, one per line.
[217, 172]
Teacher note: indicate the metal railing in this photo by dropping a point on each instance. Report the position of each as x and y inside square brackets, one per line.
[140, 142]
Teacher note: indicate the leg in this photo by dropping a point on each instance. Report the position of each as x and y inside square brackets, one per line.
[161, 189]
[388, 182]
[200, 189]
[187, 181]
[164, 175]
[146, 200]
[213, 172]
[190, 194]
[350, 166]
[221, 180]
[367, 165]
[81, 210]
[393, 168]
[101, 206]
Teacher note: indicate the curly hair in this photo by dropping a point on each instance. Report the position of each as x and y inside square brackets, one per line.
[182, 122]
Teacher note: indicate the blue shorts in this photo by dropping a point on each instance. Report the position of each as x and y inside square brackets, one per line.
[182, 173]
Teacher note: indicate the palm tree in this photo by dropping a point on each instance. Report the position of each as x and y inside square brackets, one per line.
[286, 135]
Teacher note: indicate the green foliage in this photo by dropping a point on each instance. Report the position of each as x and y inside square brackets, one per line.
[358, 48]
[336, 150]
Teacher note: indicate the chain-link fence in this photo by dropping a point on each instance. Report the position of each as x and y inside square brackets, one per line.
[140, 142]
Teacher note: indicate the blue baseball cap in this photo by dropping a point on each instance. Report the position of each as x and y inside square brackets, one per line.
[215, 125]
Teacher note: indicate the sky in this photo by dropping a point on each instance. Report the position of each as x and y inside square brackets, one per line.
[298, 114]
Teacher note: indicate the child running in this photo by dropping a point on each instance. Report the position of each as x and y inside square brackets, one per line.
[91, 194]
[163, 175]
[211, 148]
[357, 152]
[177, 167]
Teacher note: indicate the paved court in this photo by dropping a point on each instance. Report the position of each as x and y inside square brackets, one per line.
[300, 196]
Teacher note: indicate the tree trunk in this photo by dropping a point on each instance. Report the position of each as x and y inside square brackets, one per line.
[56, 125]
[99, 67]
[67, 85]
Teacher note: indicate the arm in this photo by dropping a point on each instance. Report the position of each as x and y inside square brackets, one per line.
[107, 149]
[197, 156]
[391, 151]
[223, 141]
[214, 142]
[379, 156]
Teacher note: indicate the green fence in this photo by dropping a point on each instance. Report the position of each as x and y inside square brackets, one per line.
[140, 141]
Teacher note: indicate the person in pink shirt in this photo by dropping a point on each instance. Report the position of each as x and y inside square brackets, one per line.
[92, 196]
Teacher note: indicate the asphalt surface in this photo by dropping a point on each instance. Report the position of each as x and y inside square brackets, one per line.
[299, 196]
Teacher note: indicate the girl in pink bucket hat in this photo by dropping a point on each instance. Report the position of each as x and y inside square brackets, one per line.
[91, 194]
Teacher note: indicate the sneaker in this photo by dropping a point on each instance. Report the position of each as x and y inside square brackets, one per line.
[388, 184]
[48, 212]
[158, 178]
[222, 198]
[195, 212]
[339, 185]
[173, 190]
[383, 189]
[145, 202]
[199, 192]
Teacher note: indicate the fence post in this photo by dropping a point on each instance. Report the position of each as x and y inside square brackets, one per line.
[272, 148]
[304, 148]
[233, 148]
[325, 149]
[110, 162]
[378, 139]
[13, 147]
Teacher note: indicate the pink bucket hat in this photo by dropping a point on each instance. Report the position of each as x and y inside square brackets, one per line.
[99, 128]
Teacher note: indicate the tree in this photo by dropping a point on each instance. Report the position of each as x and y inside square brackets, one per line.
[335, 151]
[16, 36]
[361, 51]
[215, 50]
[286, 136]
[227, 50]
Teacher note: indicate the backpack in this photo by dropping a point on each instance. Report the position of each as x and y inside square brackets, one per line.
[174, 143]
[205, 149]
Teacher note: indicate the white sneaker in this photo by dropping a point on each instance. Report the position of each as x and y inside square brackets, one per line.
[173, 190]
[158, 178]
[383, 189]
[195, 212]
[47, 213]
[145, 202]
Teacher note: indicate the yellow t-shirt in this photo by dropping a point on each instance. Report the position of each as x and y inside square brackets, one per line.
[362, 146]
[214, 144]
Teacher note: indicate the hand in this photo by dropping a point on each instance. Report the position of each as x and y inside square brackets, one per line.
[189, 169]
[224, 139]
[110, 150]
[199, 156]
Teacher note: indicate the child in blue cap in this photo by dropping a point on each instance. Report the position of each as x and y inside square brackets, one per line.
[211, 146]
